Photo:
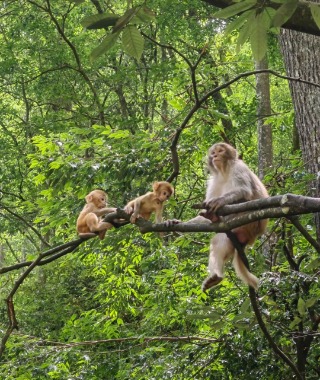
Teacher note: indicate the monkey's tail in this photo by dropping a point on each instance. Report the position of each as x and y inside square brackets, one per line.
[243, 273]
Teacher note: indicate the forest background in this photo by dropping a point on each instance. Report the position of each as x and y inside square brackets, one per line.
[139, 95]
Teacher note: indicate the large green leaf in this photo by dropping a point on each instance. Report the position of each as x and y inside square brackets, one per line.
[145, 15]
[132, 41]
[301, 307]
[284, 13]
[100, 21]
[238, 22]
[105, 45]
[258, 37]
[258, 33]
[234, 9]
[125, 19]
[246, 30]
[315, 11]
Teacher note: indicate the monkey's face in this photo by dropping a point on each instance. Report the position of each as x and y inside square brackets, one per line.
[219, 154]
[98, 198]
[100, 201]
[164, 193]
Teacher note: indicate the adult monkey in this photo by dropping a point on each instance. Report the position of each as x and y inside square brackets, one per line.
[231, 181]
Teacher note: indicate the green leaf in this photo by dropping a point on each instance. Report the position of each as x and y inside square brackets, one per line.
[145, 15]
[238, 22]
[245, 306]
[122, 134]
[105, 45]
[267, 16]
[311, 301]
[258, 38]
[125, 19]
[100, 21]
[315, 11]
[301, 306]
[295, 322]
[234, 9]
[246, 30]
[284, 13]
[132, 41]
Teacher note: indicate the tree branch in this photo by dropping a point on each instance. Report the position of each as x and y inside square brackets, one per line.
[254, 302]
[273, 207]
[146, 339]
[13, 323]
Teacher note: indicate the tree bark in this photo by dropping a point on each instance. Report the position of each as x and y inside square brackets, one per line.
[302, 59]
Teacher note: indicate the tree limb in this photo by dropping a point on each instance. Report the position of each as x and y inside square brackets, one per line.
[273, 207]
[143, 339]
[254, 302]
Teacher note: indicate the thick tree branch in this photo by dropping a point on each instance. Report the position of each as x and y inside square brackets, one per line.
[272, 207]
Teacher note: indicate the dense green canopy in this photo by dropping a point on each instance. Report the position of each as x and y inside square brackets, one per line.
[137, 98]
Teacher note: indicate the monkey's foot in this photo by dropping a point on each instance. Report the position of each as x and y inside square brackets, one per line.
[210, 215]
[211, 281]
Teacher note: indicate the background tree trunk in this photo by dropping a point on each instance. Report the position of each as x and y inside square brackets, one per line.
[302, 59]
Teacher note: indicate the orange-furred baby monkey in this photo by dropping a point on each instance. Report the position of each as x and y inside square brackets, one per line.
[153, 201]
[89, 222]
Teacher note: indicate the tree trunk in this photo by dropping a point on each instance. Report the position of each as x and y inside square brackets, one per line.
[265, 153]
[302, 59]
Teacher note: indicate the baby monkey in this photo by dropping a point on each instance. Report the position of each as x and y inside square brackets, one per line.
[89, 222]
[153, 201]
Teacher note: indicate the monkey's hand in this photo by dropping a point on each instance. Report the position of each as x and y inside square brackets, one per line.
[211, 208]
[128, 209]
[209, 215]
[214, 204]
[133, 218]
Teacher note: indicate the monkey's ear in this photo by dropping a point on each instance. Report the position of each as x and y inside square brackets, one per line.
[155, 186]
[88, 198]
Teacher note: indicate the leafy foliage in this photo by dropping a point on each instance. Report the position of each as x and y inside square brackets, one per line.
[130, 306]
